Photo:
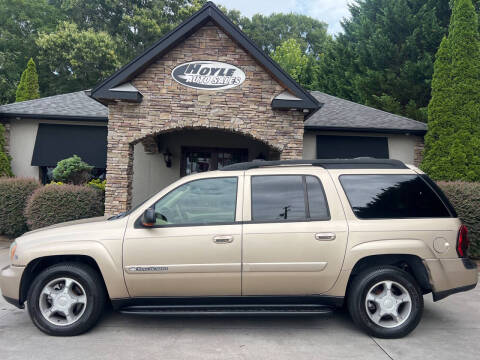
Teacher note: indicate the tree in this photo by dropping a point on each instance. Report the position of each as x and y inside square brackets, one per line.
[452, 144]
[385, 54]
[5, 167]
[269, 32]
[72, 170]
[28, 87]
[75, 59]
[21, 21]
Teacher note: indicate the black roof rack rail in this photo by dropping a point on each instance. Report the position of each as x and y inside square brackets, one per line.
[358, 163]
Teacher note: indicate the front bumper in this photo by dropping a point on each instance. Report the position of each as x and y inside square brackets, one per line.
[451, 276]
[10, 278]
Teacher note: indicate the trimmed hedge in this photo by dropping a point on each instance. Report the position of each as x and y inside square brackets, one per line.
[465, 197]
[14, 193]
[53, 204]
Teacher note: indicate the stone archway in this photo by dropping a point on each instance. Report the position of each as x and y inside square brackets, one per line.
[120, 159]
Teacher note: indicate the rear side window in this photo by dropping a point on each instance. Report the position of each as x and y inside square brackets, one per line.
[288, 198]
[392, 196]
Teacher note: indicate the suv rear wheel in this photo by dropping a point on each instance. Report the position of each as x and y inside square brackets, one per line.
[66, 299]
[386, 302]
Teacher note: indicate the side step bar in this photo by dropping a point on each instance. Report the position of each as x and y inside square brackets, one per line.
[240, 309]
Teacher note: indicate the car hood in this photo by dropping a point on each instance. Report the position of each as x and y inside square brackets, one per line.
[93, 229]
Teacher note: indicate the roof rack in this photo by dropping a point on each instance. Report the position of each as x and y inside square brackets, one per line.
[358, 163]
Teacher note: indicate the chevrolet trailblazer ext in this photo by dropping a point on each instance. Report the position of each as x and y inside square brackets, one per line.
[262, 237]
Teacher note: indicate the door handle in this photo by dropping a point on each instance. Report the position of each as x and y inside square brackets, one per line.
[222, 239]
[325, 236]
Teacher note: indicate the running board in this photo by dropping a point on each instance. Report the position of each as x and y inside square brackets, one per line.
[240, 309]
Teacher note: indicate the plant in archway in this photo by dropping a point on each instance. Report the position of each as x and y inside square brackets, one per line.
[28, 87]
[452, 144]
[72, 171]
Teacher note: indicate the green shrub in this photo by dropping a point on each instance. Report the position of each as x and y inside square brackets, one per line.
[72, 171]
[54, 204]
[14, 193]
[5, 167]
[465, 197]
[98, 184]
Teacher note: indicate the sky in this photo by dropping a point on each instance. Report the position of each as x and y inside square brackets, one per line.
[329, 11]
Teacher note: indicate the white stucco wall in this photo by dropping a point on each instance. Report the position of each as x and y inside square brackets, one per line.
[23, 133]
[150, 175]
[400, 147]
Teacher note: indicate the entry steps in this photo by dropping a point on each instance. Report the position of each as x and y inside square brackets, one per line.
[230, 309]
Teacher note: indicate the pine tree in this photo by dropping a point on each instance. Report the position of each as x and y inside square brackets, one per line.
[28, 87]
[452, 144]
[5, 168]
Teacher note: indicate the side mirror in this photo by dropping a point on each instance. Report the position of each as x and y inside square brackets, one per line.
[149, 217]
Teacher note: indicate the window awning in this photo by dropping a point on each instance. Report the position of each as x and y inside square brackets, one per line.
[57, 142]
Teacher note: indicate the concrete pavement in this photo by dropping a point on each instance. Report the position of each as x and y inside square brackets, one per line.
[449, 329]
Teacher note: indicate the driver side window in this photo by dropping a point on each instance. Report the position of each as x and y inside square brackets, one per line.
[199, 202]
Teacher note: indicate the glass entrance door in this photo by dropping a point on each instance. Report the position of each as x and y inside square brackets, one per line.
[195, 160]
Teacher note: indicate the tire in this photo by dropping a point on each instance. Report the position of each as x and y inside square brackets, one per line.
[373, 314]
[85, 284]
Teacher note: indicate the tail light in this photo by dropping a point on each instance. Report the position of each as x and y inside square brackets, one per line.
[462, 242]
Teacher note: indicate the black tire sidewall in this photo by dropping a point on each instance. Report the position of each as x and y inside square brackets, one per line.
[364, 282]
[89, 280]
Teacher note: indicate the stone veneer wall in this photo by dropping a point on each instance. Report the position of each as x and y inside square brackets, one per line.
[418, 151]
[168, 105]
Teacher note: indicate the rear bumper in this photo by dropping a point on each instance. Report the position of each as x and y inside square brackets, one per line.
[10, 278]
[451, 276]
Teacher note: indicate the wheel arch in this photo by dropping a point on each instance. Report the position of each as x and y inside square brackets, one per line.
[36, 266]
[412, 264]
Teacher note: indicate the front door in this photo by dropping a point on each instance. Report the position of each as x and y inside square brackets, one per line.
[194, 249]
[295, 233]
[201, 159]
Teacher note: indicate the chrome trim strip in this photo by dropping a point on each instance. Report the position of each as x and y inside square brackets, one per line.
[285, 267]
[184, 268]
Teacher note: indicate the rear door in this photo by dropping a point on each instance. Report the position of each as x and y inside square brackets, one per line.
[294, 233]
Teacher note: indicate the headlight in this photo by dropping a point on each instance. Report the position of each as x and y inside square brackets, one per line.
[13, 249]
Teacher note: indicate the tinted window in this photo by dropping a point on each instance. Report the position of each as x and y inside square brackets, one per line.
[391, 196]
[206, 201]
[278, 198]
[317, 203]
[283, 197]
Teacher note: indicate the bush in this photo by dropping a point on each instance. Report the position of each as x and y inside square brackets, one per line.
[14, 193]
[5, 167]
[73, 171]
[55, 204]
[98, 184]
[465, 197]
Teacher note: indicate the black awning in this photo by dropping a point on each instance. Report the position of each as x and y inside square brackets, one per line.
[57, 142]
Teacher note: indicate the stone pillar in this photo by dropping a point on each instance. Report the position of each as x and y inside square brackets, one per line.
[118, 191]
[418, 151]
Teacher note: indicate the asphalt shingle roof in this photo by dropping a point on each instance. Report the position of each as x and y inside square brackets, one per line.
[76, 104]
[338, 113]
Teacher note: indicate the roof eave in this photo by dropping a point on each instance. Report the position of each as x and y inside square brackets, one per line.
[366, 130]
[54, 117]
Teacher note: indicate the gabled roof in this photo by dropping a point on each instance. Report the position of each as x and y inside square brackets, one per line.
[72, 106]
[343, 115]
[209, 12]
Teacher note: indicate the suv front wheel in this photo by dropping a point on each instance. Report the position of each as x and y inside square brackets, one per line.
[66, 299]
[386, 302]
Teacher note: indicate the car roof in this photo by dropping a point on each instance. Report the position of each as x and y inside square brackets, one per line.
[358, 163]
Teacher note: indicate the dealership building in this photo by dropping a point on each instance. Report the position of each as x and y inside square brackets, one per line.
[203, 97]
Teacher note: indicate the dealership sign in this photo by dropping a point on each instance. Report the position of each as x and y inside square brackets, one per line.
[208, 75]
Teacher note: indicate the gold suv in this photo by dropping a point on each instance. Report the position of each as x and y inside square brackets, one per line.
[295, 237]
